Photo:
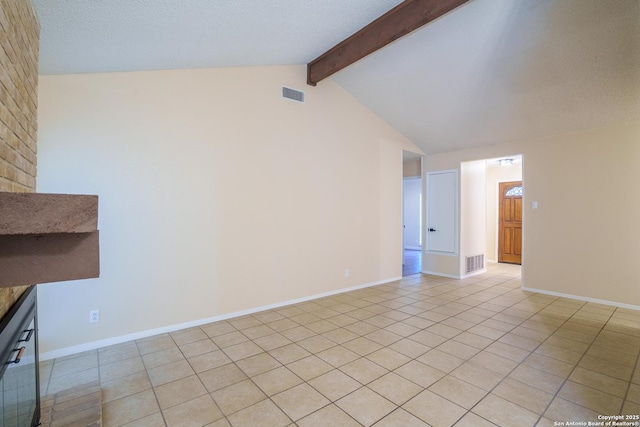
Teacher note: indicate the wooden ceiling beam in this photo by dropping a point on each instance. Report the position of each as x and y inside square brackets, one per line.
[399, 21]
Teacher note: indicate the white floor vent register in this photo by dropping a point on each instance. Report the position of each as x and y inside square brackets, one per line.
[474, 263]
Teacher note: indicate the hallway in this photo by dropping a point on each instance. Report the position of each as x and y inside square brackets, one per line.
[411, 263]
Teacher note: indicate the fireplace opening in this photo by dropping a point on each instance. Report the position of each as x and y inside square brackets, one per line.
[19, 376]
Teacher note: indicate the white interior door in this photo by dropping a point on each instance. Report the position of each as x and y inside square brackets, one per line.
[442, 199]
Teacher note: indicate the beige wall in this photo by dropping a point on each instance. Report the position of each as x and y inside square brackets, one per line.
[19, 38]
[412, 167]
[495, 175]
[473, 210]
[582, 240]
[216, 195]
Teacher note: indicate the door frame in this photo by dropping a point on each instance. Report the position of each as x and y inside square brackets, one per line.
[499, 211]
[422, 190]
[456, 225]
[494, 218]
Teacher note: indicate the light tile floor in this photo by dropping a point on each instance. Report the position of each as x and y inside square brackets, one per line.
[421, 351]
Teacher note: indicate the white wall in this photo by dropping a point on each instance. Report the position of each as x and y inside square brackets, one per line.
[582, 239]
[412, 195]
[473, 210]
[216, 195]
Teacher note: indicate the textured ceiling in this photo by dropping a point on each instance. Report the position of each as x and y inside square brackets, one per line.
[491, 71]
[86, 36]
[495, 71]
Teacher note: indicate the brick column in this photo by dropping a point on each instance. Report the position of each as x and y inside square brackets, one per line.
[19, 43]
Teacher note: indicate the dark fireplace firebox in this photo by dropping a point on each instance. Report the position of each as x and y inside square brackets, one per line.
[19, 379]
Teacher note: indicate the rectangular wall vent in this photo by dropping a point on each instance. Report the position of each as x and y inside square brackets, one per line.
[474, 263]
[292, 94]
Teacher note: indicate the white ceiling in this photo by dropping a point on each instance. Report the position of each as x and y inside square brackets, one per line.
[88, 36]
[491, 71]
[494, 71]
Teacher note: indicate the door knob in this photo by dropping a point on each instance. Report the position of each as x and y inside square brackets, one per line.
[432, 230]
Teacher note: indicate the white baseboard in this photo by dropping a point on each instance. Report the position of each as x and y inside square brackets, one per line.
[413, 248]
[581, 298]
[475, 273]
[172, 328]
[433, 273]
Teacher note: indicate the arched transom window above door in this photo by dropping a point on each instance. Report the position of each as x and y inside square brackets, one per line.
[514, 191]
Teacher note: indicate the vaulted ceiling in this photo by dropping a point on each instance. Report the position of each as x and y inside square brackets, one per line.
[490, 71]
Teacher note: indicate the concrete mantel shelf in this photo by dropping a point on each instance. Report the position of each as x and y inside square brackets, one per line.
[48, 238]
[37, 213]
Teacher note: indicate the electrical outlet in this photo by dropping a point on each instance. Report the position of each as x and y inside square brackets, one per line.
[347, 272]
[94, 316]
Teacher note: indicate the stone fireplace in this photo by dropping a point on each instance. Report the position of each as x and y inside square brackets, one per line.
[35, 247]
[19, 43]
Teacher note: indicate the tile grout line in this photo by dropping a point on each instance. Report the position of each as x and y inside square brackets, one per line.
[379, 303]
[635, 369]
[293, 373]
[234, 362]
[541, 343]
[494, 340]
[515, 326]
[555, 396]
[516, 367]
[301, 325]
[363, 356]
[331, 402]
[451, 338]
[153, 389]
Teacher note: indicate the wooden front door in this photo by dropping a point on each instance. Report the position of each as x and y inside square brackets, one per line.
[510, 222]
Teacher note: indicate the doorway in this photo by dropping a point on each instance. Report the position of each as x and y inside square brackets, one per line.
[499, 171]
[411, 214]
[412, 225]
[510, 222]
